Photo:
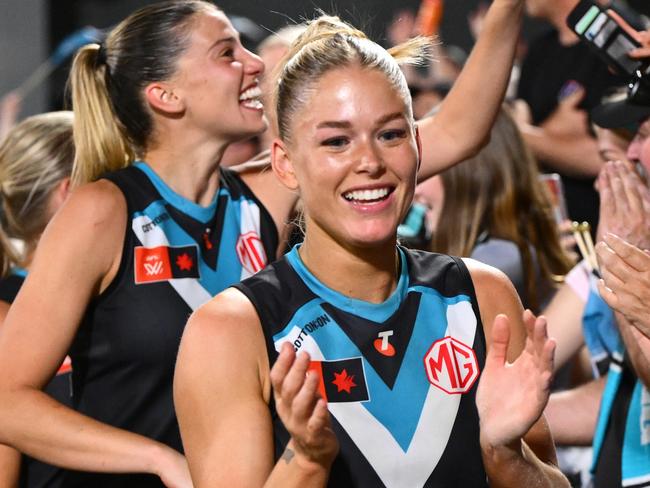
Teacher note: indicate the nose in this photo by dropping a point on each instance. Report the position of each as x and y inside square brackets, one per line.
[369, 159]
[633, 150]
[253, 64]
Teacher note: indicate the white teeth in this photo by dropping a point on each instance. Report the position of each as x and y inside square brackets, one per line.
[251, 93]
[366, 195]
[253, 103]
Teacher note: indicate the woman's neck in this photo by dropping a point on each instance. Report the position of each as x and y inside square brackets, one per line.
[369, 273]
[188, 167]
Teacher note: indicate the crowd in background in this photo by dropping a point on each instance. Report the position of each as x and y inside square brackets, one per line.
[511, 167]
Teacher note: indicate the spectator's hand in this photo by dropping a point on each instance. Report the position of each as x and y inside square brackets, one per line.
[624, 204]
[642, 37]
[476, 18]
[626, 280]
[9, 109]
[302, 411]
[568, 119]
[402, 27]
[506, 418]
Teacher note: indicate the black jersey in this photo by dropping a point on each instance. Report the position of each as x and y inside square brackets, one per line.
[33, 473]
[176, 256]
[399, 377]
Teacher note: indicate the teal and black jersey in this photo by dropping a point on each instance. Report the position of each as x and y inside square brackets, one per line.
[400, 377]
[176, 256]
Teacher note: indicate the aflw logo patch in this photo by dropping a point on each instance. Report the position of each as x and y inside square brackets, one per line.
[250, 252]
[163, 263]
[451, 365]
[341, 381]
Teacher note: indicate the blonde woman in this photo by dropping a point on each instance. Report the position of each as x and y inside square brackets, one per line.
[35, 164]
[334, 365]
[156, 227]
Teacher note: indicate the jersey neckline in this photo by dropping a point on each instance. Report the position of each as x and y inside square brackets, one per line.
[186, 206]
[348, 304]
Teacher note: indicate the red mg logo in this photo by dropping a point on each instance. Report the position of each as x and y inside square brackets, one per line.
[251, 252]
[451, 365]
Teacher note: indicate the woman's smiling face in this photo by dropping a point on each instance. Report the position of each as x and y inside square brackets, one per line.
[353, 150]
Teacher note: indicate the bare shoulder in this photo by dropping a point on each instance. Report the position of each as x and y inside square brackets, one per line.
[496, 295]
[96, 203]
[227, 327]
[487, 279]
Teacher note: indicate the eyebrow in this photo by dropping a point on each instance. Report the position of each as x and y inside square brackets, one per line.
[344, 124]
[225, 40]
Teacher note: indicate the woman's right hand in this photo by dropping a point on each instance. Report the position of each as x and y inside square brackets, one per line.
[173, 470]
[302, 411]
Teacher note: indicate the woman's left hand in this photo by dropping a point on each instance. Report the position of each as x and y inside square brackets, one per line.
[512, 396]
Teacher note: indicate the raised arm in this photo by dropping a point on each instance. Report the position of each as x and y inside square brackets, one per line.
[462, 125]
[77, 257]
[222, 388]
[515, 439]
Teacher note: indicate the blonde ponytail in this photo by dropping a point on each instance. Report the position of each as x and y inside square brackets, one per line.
[99, 138]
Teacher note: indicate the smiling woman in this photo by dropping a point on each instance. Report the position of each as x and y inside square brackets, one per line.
[153, 229]
[358, 362]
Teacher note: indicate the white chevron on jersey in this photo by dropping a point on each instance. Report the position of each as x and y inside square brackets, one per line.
[189, 289]
[250, 222]
[396, 468]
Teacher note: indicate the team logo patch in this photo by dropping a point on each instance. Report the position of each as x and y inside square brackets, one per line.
[250, 252]
[451, 365]
[382, 344]
[164, 263]
[341, 381]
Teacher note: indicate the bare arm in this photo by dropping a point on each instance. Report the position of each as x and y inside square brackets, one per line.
[572, 155]
[637, 346]
[462, 126]
[515, 439]
[9, 458]
[223, 410]
[564, 317]
[76, 258]
[572, 414]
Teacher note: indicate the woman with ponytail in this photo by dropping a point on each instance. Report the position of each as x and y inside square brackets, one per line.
[154, 228]
[35, 164]
[335, 365]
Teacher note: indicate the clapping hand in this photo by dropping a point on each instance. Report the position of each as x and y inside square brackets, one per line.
[512, 396]
[303, 412]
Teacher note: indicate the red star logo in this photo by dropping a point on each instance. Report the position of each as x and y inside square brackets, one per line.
[344, 382]
[184, 262]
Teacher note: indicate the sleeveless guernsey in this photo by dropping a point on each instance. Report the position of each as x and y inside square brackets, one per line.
[399, 377]
[33, 473]
[176, 256]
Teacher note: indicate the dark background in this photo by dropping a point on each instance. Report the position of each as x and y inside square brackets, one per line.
[66, 16]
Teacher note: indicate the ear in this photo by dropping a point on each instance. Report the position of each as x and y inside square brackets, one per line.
[282, 165]
[162, 98]
[418, 141]
[59, 194]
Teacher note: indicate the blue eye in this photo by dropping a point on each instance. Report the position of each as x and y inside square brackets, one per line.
[391, 135]
[335, 142]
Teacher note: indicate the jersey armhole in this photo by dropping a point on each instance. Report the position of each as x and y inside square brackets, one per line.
[126, 245]
[466, 276]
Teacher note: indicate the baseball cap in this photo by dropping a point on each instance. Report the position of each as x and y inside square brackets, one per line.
[627, 107]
